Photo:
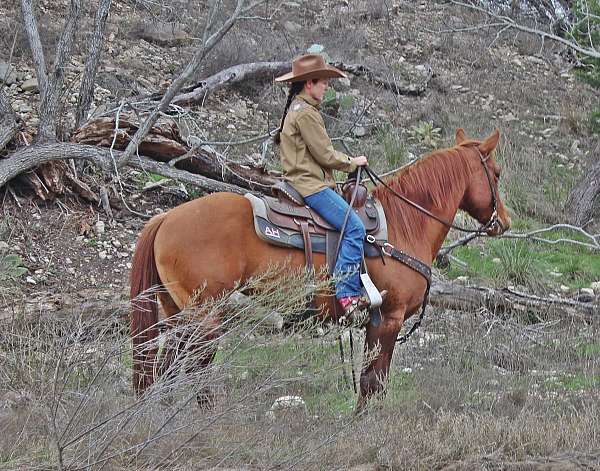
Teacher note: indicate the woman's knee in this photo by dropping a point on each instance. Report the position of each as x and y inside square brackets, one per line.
[356, 228]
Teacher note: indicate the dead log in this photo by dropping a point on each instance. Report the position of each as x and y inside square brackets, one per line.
[29, 157]
[238, 74]
[165, 144]
[507, 301]
[501, 302]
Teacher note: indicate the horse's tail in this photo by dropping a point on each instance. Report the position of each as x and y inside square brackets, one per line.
[144, 281]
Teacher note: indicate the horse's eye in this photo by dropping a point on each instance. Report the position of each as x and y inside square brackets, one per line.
[497, 173]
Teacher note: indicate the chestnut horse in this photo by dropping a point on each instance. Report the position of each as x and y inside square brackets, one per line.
[211, 243]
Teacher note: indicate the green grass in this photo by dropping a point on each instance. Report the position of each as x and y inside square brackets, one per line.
[390, 147]
[577, 382]
[528, 263]
[145, 178]
[310, 368]
[589, 349]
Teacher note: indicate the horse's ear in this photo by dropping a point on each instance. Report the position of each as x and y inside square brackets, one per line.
[460, 136]
[490, 142]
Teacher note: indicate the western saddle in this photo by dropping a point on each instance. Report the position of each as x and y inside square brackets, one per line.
[286, 220]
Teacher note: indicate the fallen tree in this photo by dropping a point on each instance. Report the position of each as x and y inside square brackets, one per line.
[508, 300]
[444, 295]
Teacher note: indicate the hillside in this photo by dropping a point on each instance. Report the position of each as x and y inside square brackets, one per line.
[495, 406]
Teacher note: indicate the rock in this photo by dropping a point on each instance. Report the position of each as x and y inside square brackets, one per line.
[595, 286]
[286, 405]
[564, 289]
[359, 131]
[462, 279]
[342, 84]
[586, 295]
[291, 27]
[165, 34]
[30, 85]
[99, 227]
[8, 74]
[3, 245]
[24, 108]
[102, 255]
[496, 260]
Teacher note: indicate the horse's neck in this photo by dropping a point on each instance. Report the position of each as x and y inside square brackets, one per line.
[426, 236]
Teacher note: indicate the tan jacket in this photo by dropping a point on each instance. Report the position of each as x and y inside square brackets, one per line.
[307, 155]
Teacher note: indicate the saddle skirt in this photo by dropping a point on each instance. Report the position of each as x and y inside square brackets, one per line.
[278, 221]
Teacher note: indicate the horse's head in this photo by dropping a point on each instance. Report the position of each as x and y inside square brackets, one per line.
[482, 199]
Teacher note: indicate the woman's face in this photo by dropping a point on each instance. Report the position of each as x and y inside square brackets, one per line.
[317, 89]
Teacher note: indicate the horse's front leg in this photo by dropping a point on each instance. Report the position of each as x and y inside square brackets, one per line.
[379, 345]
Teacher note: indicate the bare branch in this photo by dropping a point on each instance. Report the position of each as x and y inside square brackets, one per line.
[593, 244]
[35, 44]
[510, 23]
[187, 73]
[49, 104]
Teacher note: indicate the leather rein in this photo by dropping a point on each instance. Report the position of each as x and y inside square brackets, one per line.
[417, 265]
[492, 223]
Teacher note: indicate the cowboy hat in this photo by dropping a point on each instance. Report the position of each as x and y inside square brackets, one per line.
[310, 66]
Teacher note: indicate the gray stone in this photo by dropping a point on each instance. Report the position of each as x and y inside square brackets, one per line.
[8, 74]
[343, 84]
[30, 85]
[359, 131]
[99, 227]
[291, 27]
[286, 405]
[165, 34]
[3, 245]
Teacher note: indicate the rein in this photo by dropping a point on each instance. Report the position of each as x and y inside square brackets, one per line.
[493, 222]
[415, 264]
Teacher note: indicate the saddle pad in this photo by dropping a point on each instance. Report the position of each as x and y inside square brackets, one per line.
[285, 237]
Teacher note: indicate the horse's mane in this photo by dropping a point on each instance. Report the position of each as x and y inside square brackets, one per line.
[426, 183]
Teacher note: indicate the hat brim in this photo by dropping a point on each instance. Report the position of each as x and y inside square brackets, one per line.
[328, 72]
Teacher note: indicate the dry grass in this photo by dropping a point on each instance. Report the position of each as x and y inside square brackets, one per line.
[469, 386]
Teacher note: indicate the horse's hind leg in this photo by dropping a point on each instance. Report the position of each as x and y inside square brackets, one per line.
[190, 349]
[379, 344]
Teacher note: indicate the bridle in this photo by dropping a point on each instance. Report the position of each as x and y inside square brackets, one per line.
[493, 223]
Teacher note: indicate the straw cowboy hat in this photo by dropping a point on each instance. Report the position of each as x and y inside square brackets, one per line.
[310, 66]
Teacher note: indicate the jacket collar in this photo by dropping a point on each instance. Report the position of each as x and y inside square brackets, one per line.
[308, 99]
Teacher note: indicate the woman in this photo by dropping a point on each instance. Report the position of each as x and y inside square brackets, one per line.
[308, 160]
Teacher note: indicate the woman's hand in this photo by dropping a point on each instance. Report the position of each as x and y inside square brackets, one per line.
[360, 161]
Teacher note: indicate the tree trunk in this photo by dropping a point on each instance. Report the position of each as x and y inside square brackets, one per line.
[49, 107]
[580, 204]
[9, 122]
[86, 91]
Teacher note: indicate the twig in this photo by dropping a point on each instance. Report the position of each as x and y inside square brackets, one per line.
[510, 23]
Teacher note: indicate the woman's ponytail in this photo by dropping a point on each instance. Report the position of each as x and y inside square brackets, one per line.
[295, 88]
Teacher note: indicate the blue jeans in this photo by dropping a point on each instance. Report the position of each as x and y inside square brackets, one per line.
[332, 207]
